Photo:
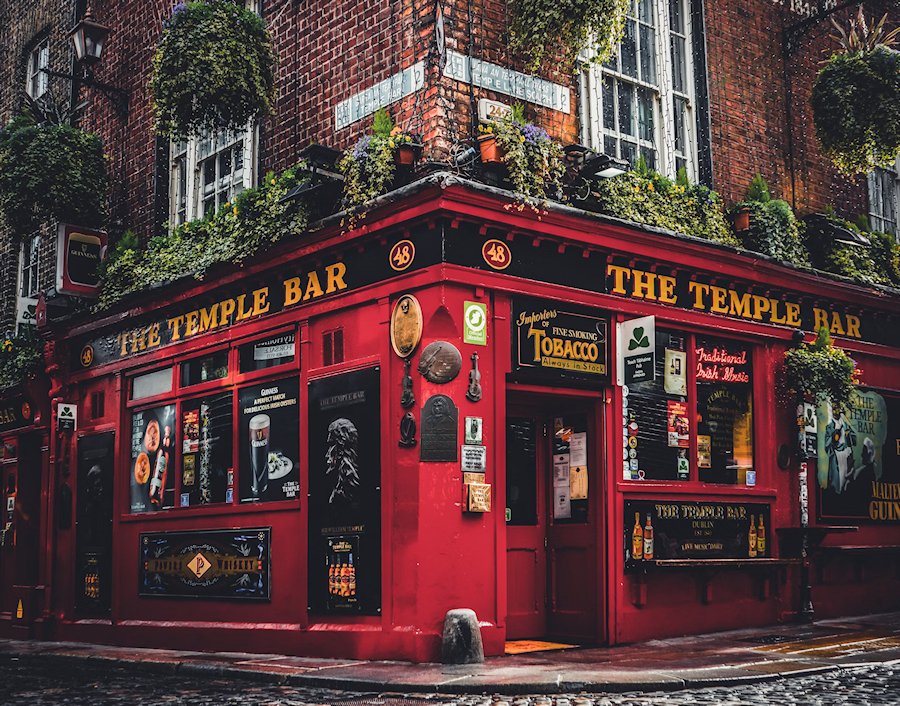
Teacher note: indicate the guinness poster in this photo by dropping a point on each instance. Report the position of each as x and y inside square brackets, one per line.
[858, 459]
[206, 564]
[345, 493]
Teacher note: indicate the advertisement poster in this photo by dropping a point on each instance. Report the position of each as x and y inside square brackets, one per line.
[678, 428]
[342, 558]
[858, 459]
[345, 487]
[675, 376]
[704, 451]
[562, 498]
[206, 564]
[206, 450]
[152, 469]
[269, 431]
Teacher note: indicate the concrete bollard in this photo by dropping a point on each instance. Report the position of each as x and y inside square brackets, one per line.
[461, 643]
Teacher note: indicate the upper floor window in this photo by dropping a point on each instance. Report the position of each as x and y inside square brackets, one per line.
[884, 199]
[641, 101]
[36, 79]
[30, 261]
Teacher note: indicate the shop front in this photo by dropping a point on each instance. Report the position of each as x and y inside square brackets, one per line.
[571, 426]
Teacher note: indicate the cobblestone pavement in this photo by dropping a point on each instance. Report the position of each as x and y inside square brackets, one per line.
[40, 682]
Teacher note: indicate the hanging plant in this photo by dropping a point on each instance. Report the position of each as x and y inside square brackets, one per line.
[51, 172]
[214, 69]
[20, 359]
[819, 371]
[533, 159]
[856, 98]
[539, 29]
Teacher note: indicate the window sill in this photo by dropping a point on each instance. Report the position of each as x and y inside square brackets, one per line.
[644, 487]
[223, 510]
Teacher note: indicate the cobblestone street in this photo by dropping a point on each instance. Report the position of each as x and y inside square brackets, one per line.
[39, 682]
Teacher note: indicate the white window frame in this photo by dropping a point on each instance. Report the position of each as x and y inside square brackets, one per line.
[36, 81]
[884, 204]
[28, 285]
[591, 101]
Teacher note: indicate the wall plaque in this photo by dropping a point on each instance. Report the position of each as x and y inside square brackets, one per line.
[439, 429]
[440, 362]
[406, 325]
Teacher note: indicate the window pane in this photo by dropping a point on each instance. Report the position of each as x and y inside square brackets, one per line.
[610, 146]
[679, 120]
[629, 152]
[645, 114]
[724, 411]
[678, 64]
[676, 16]
[206, 451]
[152, 470]
[648, 55]
[649, 156]
[155, 383]
[609, 104]
[211, 367]
[626, 108]
[521, 471]
[267, 353]
[645, 11]
[629, 49]
[570, 440]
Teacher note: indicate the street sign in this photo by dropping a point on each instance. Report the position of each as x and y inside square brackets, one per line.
[67, 417]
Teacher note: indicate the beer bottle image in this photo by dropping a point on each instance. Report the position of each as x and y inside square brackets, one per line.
[331, 578]
[345, 580]
[751, 537]
[352, 579]
[648, 539]
[637, 538]
[761, 537]
[158, 479]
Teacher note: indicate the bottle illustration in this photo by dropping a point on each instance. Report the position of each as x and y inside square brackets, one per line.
[751, 538]
[637, 538]
[352, 579]
[648, 539]
[331, 578]
[345, 580]
[158, 480]
[761, 538]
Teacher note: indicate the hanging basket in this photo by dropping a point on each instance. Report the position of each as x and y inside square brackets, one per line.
[214, 69]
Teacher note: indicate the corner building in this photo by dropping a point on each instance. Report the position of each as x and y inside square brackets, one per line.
[358, 431]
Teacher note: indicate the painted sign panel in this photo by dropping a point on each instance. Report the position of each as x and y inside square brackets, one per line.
[858, 459]
[674, 529]
[345, 491]
[79, 252]
[636, 346]
[15, 412]
[206, 564]
[558, 342]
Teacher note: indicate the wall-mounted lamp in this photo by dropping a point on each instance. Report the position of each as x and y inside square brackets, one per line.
[822, 224]
[603, 166]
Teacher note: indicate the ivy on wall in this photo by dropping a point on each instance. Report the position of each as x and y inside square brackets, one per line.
[20, 359]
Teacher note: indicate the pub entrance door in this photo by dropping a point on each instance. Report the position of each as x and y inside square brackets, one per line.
[552, 527]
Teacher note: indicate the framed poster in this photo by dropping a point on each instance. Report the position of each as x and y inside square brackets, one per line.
[152, 468]
[345, 491]
[205, 450]
[269, 438]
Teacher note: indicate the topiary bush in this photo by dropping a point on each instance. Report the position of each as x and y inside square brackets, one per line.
[214, 69]
[51, 172]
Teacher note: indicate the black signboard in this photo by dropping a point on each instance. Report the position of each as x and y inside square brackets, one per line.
[345, 493]
[440, 429]
[559, 340]
[152, 469]
[206, 564]
[269, 433]
[673, 529]
[858, 460]
[15, 412]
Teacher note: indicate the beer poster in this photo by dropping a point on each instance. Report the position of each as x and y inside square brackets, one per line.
[269, 441]
[342, 557]
[678, 427]
[206, 450]
[345, 489]
[858, 459]
[152, 468]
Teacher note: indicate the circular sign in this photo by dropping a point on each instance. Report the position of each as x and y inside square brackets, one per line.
[475, 318]
[402, 255]
[440, 362]
[26, 411]
[406, 325]
[87, 356]
[632, 442]
[496, 254]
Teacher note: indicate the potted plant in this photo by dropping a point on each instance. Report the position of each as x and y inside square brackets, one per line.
[214, 68]
[819, 371]
[487, 145]
[50, 171]
[856, 98]
[539, 29]
[768, 225]
[534, 161]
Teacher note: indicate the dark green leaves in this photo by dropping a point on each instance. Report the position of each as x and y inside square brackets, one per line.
[638, 339]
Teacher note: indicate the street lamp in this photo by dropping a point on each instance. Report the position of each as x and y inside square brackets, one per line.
[604, 166]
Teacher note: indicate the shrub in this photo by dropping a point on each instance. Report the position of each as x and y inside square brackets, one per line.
[819, 371]
[20, 359]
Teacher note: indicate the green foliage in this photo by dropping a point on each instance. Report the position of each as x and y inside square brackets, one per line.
[533, 159]
[21, 358]
[856, 109]
[774, 230]
[382, 123]
[758, 190]
[257, 218]
[645, 196]
[885, 254]
[867, 265]
[51, 172]
[538, 29]
[819, 371]
[214, 68]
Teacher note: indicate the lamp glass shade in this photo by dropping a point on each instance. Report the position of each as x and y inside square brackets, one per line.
[88, 37]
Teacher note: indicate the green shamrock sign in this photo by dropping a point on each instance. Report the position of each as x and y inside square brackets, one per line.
[638, 339]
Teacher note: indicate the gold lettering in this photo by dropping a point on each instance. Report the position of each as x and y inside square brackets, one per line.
[122, 340]
[174, 326]
[667, 290]
[739, 304]
[775, 318]
[153, 339]
[853, 326]
[336, 274]
[191, 319]
[313, 288]
[718, 299]
[292, 291]
[836, 326]
[792, 316]
[699, 291]
[620, 274]
[821, 318]
[209, 317]
[226, 309]
[760, 306]
[260, 305]
[643, 285]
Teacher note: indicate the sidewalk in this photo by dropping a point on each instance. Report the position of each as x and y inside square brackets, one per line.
[740, 656]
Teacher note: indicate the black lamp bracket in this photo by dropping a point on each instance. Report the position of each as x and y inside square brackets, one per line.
[793, 33]
[114, 95]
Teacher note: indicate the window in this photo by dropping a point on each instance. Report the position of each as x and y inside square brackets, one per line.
[695, 420]
[36, 79]
[30, 259]
[640, 103]
[884, 199]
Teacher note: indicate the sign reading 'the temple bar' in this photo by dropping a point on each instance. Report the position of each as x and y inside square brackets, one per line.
[561, 342]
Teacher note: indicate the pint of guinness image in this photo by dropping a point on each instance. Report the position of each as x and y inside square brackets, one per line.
[259, 454]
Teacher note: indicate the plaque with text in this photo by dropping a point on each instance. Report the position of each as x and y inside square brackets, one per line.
[439, 429]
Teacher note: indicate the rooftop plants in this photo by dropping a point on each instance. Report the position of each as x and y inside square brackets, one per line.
[256, 218]
[50, 172]
[856, 98]
[818, 371]
[773, 229]
[214, 68]
[539, 29]
[20, 359]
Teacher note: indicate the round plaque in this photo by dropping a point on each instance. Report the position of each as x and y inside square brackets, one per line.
[440, 362]
[406, 325]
